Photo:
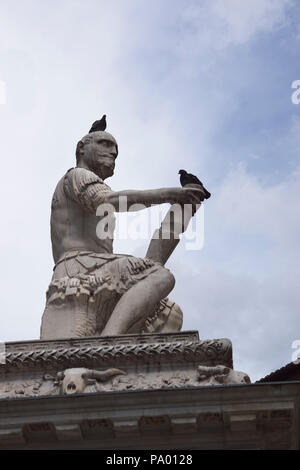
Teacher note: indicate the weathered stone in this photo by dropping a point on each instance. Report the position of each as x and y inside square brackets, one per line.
[68, 432]
[127, 362]
[93, 291]
[244, 416]
[220, 374]
[76, 380]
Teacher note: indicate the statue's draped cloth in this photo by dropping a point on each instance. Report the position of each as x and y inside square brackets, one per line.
[92, 283]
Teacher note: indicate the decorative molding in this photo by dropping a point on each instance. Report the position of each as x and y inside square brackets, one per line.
[211, 352]
[37, 345]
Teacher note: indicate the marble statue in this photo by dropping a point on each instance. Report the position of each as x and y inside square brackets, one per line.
[111, 325]
[93, 291]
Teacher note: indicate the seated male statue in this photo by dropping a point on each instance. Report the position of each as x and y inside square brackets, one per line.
[94, 291]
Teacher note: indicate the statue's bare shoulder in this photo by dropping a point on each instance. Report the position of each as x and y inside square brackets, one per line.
[85, 188]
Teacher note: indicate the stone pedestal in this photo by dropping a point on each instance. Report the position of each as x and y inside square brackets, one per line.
[162, 391]
[127, 362]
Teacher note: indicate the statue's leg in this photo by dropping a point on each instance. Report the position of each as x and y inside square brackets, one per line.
[69, 312]
[166, 238]
[73, 318]
[139, 301]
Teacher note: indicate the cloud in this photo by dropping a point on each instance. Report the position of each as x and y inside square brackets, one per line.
[220, 24]
[249, 207]
[244, 20]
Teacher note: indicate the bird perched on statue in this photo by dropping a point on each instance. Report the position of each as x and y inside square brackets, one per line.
[99, 125]
[188, 178]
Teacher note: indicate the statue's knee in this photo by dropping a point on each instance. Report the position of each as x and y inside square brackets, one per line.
[167, 278]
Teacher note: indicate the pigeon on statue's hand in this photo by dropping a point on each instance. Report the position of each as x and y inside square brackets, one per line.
[188, 178]
[99, 125]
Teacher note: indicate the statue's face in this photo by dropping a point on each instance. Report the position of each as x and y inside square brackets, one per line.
[100, 154]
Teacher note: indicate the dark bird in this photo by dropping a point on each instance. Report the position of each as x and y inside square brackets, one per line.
[188, 178]
[99, 125]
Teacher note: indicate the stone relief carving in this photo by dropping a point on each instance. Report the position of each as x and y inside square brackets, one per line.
[157, 381]
[83, 380]
[74, 366]
[71, 381]
[221, 375]
[210, 351]
[21, 388]
[130, 339]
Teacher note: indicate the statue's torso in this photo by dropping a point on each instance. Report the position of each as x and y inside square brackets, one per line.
[73, 227]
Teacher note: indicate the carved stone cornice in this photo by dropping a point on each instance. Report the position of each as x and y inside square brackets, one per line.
[210, 352]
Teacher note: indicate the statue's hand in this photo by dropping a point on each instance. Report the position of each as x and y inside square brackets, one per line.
[187, 196]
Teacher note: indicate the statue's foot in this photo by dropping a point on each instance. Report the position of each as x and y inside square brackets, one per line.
[167, 318]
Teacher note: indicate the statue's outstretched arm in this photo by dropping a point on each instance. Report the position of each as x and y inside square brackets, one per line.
[88, 190]
[123, 200]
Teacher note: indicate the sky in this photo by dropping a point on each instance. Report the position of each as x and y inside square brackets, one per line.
[204, 85]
